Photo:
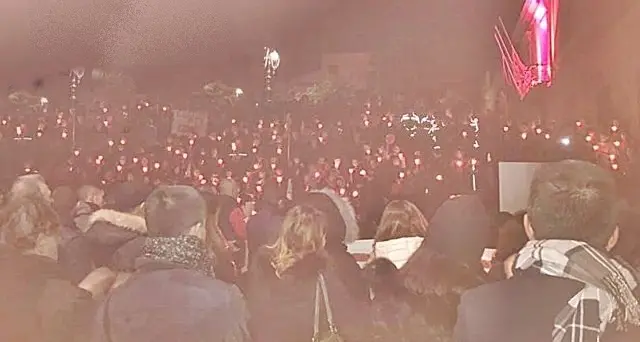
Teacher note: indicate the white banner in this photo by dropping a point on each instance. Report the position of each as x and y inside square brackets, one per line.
[189, 123]
[515, 181]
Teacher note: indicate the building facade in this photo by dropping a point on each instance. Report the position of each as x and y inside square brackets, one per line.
[598, 71]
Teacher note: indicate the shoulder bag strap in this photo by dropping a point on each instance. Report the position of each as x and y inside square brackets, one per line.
[327, 304]
[316, 313]
[106, 321]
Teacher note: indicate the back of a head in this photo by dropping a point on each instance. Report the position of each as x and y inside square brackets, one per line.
[228, 187]
[382, 276]
[303, 233]
[336, 229]
[127, 196]
[511, 238]
[27, 215]
[87, 192]
[171, 211]
[460, 230]
[272, 193]
[30, 185]
[64, 199]
[401, 219]
[573, 200]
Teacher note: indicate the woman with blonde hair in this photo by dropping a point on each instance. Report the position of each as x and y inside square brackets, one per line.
[401, 230]
[282, 283]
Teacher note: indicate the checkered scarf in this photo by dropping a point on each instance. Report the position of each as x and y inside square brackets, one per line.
[606, 297]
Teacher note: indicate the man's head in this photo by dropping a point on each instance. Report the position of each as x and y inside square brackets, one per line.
[573, 200]
[91, 194]
[228, 187]
[128, 196]
[171, 211]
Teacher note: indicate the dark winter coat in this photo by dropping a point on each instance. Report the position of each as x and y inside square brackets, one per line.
[163, 302]
[282, 308]
[114, 239]
[522, 308]
[38, 304]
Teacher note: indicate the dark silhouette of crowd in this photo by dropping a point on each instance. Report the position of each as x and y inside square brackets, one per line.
[136, 262]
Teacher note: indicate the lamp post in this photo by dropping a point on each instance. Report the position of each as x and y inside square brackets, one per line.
[76, 76]
[271, 64]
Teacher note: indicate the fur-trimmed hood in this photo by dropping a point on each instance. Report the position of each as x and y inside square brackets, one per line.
[114, 228]
[126, 221]
[116, 238]
[347, 213]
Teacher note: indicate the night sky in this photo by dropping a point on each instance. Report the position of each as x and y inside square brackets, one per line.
[188, 42]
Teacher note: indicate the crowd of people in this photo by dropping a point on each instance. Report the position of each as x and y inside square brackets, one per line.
[142, 262]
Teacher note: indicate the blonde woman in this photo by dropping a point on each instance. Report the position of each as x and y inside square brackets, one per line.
[282, 282]
[400, 232]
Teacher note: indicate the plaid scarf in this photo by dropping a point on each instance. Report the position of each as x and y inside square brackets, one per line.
[606, 297]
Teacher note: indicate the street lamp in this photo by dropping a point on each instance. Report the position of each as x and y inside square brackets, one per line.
[271, 64]
[76, 76]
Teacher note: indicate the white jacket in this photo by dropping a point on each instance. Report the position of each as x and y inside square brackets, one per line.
[397, 251]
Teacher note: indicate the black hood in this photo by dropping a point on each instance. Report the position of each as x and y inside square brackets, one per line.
[460, 230]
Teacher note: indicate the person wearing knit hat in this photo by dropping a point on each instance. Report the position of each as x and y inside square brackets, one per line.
[174, 295]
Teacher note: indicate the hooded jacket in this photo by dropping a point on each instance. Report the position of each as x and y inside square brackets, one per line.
[347, 213]
[117, 236]
[113, 239]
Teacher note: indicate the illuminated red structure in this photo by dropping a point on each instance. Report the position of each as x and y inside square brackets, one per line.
[533, 64]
